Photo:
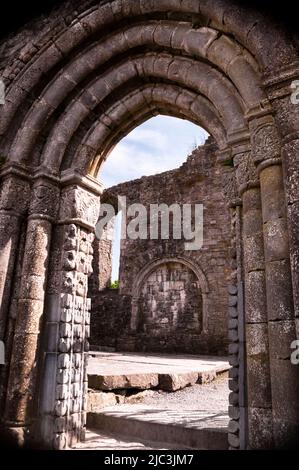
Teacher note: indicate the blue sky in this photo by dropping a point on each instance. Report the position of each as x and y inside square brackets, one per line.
[160, 144]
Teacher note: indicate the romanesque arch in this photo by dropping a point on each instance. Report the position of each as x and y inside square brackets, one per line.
[83, 81]
[153, 266]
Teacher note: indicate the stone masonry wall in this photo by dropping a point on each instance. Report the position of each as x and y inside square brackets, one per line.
[170, 300]
[173, 312]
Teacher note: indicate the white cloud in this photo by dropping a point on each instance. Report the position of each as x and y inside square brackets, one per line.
[160, 144]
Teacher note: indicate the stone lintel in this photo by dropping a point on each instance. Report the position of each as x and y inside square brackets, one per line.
[88, 182]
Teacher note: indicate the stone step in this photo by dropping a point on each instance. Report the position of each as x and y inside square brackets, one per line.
[96, 440]
[168, 373]
[200, 430]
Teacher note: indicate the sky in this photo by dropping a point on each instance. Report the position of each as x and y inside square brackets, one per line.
[160, 144]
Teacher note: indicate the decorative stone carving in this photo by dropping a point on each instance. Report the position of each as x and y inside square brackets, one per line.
[69, 339]
[45, 200]
[236, 428]
[73, 338]
[230, 187]
[77, 203]
[14, 194]
[246, 173]
[265, 144]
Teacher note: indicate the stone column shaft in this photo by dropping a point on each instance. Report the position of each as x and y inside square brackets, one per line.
[14, 201]
[22, 385]
[258, 367]
[291, 165]
[281, 323]
[20, 389]
[257, 376]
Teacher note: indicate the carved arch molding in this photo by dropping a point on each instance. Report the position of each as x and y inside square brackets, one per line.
[82, 79]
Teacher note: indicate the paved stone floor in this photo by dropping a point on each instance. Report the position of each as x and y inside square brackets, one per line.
[180, 428]
[196, 419]
[195, 416]
[96, 440]
[128, 363]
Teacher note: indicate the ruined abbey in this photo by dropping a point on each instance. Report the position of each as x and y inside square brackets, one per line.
[78, 79]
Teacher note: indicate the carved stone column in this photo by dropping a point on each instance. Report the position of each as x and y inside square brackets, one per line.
[291, 162]
[22, 386]
[14, 202]
[284, 100]
[280, 309]
[256, 326]
[63, 398]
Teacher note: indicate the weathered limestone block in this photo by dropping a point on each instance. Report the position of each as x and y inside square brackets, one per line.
[260, 428]
[206, 377]
[99, 400]
[174, 382]
[259, 388]
[276, 240]
[293, 217]
[279, 291]
[272, 190]
[285, 402]
[290, 155]
[118, 382]
[254, 252]
[255, 297]
[281, 335]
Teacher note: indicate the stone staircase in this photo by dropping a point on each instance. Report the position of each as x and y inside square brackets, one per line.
[177, 429]
[121, 384]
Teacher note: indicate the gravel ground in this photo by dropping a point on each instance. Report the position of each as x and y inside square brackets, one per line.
[210, 397]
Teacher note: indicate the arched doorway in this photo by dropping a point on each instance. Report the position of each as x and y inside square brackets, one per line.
[169, 276]
[71, 98]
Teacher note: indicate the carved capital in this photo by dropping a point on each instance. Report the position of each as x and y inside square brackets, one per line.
[45, 200]
[246, 173]
[266, 143]
[229, 184]
[15, 194]
[79, 205]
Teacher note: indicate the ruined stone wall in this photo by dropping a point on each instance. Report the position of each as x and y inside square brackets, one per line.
[174, 311]
[170, 300]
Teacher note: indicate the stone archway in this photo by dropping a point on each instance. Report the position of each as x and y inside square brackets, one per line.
[79, 86]
[143, 276]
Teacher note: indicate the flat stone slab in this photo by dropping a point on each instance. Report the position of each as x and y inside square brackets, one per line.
[96, 440]
[194, 429]
[118, 382]
[115, 371]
